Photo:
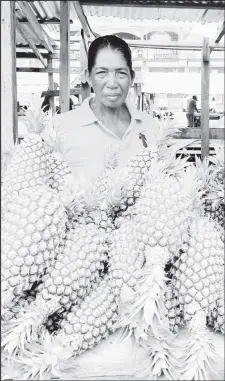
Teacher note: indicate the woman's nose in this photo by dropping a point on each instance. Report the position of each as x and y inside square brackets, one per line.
[111, 80]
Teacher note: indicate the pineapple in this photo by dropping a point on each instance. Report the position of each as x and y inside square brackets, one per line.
[68, 279]
[162, 357]
[84, 327]
[130, 179]
[58, 168]
[219, 321]
[174, 313]
[199, 353]
[213, 185]
[98, 193]
[125, 260]
[29, 165]
[216, 319]
[199, 269]
[163, 214]
[32, 229]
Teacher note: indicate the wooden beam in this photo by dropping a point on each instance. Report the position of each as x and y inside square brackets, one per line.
[190, 4]
[73, 57]
[180, 45]
[55, 93]
[9, 119]
[30, 42]
[195, 133]
[221, 33]
[205, 79]
[83, 19]
[55, 56]
[204, 14]
[81, 16]
[37, 28]
[73, 70]
[51, 86]
[64, 55]
[86, 90]
[44, 22]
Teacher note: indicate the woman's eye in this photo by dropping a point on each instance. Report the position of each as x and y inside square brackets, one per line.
[122, 73]
[101, 72]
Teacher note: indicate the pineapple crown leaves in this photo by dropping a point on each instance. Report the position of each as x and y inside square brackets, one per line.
[165, 133]
[111, 157]
[35, 118]
[52, 138]
[170, 166]
[44, 357]
[72, 193]
[205, 171]
[218, 159]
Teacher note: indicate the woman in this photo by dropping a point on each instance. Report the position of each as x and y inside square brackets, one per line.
[107, 118]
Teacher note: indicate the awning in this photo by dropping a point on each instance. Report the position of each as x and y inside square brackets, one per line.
[181, 83]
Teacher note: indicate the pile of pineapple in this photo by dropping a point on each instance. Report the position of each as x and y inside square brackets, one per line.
[141, 251]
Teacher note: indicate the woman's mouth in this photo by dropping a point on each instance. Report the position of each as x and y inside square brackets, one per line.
[112, 97]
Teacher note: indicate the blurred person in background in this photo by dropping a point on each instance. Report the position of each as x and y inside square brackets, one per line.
[191, 108]
[213, 105]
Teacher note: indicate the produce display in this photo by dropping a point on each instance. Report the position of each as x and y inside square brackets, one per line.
[140, 250]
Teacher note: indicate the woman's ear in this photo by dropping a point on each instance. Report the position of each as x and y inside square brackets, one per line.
[132, 76]
[87, 77]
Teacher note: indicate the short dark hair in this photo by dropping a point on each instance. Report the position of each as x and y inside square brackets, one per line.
[113, 42]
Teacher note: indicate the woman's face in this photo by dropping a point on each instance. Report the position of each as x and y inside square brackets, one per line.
[110, 78]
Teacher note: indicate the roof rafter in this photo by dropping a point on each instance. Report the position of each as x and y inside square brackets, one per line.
[37, 28]
[83, 19]
[30, 42]
[221, 33]
[201, 4]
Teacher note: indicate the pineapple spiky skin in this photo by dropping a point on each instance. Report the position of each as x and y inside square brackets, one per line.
[32, 229]
[68, 279]
[200, 268]
[216, 318]
[174, 312]
[58, 170]
[82, 329]
[217, 213]
[29, 167]
[77, 266]
[163, 213]
[131, 179]
[125, 260]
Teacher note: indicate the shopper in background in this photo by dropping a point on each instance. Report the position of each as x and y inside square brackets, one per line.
[191, 108]
[213, 105]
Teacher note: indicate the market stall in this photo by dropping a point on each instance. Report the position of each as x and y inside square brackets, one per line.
[121, 277]
[26, 21]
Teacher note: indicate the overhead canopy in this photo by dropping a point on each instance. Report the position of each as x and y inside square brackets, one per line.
[199, 11]
[196, 11]
[180, 83]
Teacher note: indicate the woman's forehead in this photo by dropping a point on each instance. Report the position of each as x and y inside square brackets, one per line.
[108, 57]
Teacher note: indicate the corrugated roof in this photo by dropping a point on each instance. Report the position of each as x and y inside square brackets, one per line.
[50, 10]
[47, 10]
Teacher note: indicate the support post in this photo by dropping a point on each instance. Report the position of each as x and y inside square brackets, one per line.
[9, 120]
[64, 55]
[86, 90]
[51, 86]
[205, 79]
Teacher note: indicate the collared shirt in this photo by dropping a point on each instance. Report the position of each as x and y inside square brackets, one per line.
[84, 139]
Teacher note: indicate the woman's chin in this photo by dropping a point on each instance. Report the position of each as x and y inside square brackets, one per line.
[113, 102]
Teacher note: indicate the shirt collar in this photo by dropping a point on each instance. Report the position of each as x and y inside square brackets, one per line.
[88, 117]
